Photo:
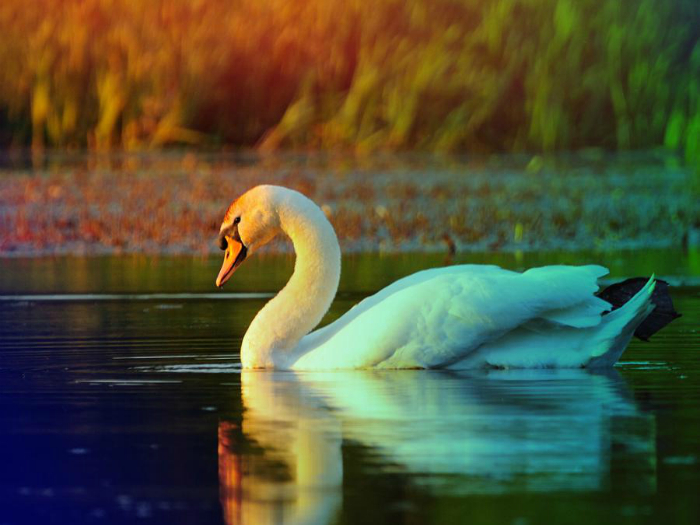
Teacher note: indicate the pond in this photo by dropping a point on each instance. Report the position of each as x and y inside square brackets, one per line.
[122, 400]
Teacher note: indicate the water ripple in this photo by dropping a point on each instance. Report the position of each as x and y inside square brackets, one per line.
[134, 297]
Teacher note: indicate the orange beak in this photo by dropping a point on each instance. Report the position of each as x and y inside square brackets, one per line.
[235, 255]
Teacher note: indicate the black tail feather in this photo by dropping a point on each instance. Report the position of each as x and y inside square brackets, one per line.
[619, 293]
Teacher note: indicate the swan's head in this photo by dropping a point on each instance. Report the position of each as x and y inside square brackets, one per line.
[250, 222]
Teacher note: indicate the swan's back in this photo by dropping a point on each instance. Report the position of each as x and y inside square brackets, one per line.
[457, 315]
[412, 282]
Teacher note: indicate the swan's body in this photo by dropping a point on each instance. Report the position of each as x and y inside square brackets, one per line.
[467, 316]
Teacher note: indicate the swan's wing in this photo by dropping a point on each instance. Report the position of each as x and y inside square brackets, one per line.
[320, 336]
[439, 317]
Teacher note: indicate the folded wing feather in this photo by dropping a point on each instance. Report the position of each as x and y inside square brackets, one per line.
[438, 317]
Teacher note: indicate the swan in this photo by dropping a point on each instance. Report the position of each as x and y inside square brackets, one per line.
[457, 317]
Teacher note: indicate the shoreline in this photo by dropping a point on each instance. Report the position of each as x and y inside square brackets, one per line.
[173, 204]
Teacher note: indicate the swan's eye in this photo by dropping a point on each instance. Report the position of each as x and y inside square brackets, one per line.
[236, 220]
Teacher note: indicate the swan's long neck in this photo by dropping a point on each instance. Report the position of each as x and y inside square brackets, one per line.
[273, 336]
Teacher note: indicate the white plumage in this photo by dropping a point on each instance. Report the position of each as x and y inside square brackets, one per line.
[467, 316]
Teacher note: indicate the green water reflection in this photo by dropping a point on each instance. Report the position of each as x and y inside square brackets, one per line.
[452, 434]
[362, 273]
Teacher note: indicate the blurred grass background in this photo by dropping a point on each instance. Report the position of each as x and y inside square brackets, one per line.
[435, 75]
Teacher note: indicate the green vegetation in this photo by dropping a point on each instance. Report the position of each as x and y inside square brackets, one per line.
[441, 75]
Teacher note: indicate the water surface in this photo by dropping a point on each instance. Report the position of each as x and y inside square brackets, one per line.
[122, 399]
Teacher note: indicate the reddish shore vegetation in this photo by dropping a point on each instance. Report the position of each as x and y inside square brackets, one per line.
[175, 203]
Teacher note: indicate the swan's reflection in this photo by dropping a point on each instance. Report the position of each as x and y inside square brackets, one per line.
[297, 479]
[452, 432]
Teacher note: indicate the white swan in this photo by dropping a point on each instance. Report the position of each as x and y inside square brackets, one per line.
[467, 316]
